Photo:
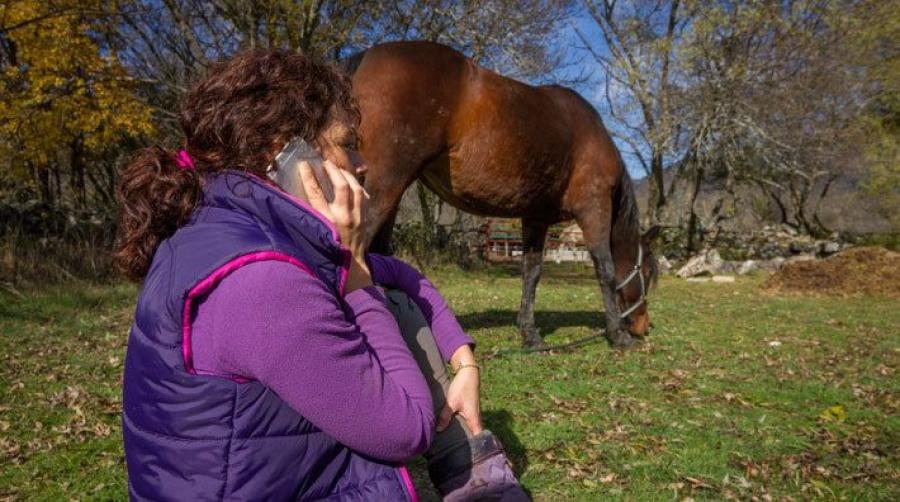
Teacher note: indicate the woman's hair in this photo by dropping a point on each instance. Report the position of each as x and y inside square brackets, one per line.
[236, 117]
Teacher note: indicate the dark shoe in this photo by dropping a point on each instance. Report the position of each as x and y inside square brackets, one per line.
[475, 470]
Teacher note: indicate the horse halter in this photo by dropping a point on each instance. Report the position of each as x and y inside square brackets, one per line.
[636, 271]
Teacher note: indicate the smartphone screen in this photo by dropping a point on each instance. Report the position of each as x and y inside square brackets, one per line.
[286, 171]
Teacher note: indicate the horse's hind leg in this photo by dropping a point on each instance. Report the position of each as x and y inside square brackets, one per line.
[596, 224]
[533, 236]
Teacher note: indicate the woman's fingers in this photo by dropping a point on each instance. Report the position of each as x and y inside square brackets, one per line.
[342, 195]
[313, 191]
[472, 419]
[346, 211]
[360, 198]
[445, 418]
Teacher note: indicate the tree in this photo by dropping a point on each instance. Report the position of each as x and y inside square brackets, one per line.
[635, 51]
[517, 38]
[773, 94]
[743, 96]
[64, 105]
[874, 46]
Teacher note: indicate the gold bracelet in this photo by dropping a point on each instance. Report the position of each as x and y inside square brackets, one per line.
[461, 366]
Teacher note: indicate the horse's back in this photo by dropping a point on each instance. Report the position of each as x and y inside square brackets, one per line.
[488, 144]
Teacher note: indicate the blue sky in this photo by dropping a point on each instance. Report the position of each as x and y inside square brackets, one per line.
[595, 89]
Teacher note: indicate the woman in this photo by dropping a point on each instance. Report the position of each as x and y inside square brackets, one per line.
[263, 362]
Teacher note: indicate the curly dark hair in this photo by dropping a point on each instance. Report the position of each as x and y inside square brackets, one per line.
[236, 117]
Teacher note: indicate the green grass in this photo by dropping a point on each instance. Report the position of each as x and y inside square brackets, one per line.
[735, 394]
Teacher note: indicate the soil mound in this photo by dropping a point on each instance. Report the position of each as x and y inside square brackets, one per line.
[864, 271]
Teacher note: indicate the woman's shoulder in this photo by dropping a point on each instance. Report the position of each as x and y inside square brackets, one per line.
[267, 278]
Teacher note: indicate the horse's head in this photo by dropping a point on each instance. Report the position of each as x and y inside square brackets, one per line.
[634, 284]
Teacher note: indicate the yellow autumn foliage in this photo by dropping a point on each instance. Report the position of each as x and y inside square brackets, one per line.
[59, 87]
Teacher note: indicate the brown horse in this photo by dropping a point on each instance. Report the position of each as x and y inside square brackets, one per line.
[493, 146]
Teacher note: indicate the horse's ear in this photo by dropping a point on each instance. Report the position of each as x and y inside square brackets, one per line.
[651, 235]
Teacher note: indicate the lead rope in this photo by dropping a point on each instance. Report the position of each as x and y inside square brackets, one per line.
[590, 338]
[636, 271]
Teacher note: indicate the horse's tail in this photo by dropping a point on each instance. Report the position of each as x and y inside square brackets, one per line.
[350, 63]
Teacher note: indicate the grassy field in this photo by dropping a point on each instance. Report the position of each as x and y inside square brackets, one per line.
[735, 394]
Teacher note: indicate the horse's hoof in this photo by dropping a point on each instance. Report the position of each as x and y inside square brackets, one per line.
[531, 339]
[534, 344]
[622, 340]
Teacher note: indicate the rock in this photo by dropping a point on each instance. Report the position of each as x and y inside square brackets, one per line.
[723, 278]
[772, 265]
[698, 279]
[663, 264]
[728, 267]
[801, 257]
[748, 267]
[802, 247]
[770, 250]
[829, 248]
[707, 262]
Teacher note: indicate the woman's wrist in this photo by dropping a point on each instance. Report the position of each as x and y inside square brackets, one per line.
[463, 366]
[463, 357]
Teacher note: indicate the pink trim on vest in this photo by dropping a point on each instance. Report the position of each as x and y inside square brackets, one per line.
[210, 282]
[345, 269]
[404, 473]
[345, 265]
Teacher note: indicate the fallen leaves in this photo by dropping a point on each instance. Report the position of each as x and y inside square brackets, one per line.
[592, 424]
[833, 414]
[733, 397]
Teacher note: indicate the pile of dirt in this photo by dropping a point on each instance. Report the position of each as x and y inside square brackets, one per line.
[864, 271]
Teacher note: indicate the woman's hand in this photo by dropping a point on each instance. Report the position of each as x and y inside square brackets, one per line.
[463, 395]
[347, 212]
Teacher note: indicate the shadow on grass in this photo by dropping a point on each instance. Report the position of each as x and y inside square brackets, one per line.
[500, 423]
[548, 321]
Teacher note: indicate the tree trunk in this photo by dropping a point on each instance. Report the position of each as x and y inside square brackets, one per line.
[427, 213]
[657, 194]
[693, 219]
[76, 160]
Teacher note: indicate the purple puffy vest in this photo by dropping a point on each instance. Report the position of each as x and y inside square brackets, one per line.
[198, 437]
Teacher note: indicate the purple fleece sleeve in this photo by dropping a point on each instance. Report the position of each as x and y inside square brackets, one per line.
[448, 334]
[343, 365]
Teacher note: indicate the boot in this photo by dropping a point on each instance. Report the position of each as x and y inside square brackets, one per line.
[476, 469]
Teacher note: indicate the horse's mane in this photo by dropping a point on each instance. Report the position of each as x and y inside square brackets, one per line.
[350, 63]
[626, 217]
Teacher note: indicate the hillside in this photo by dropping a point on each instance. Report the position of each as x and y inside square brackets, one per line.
[844, 209]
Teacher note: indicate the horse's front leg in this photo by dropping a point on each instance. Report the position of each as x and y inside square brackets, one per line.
[596, 227]
[380, 231]
[616, 334]
[533, 236]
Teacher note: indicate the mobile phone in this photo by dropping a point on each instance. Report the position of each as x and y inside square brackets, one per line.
[286, 170]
